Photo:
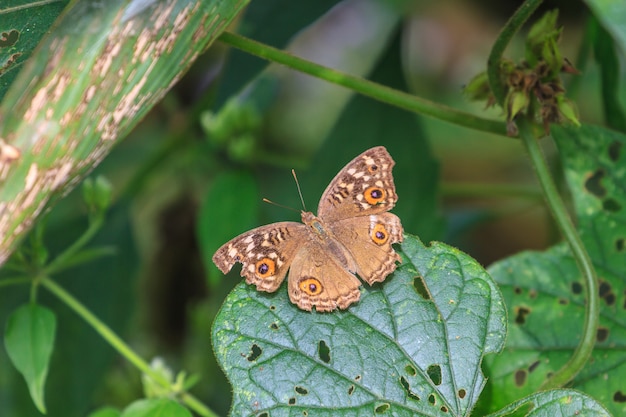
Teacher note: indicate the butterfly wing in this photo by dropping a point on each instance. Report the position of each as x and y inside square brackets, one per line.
[364, 186]
[368, 240]
[265, 253]
[317, 279]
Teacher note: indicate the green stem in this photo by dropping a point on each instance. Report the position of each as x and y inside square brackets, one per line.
[367, 88]
[60, 261]
[557, 208]
[118, 344]
[508, 31]
[5, 282]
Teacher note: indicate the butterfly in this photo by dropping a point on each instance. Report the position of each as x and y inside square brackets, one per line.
[352, 233]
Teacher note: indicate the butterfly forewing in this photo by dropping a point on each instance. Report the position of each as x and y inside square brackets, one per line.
[364, 186]
[265, 252]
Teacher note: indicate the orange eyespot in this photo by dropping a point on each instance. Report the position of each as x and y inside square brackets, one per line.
[379, 234]
[374, 195]
[310, 286]
[265, 268]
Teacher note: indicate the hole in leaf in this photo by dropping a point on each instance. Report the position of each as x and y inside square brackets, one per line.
[593, 184]
[351, 390]
[301, 390]
[255, 353]
[563, 301]
[517, 290]
[407, 388]
[434, 373]
[520, 314]
[533, 366]
[577, 288]
[382, 408]
[420, 287]
[606, 292]
[272, 307]
[8, 39]
[602, 334]
[619, 244]
[264, 414]
[410, 370]
[274, 326]
[462, 393]
[432, 399]
[305, 413]
[619, 397]
[614, 150]
[611, 205]
[292, 401]
[520, 377]
[323, 351]
[357, 378]
[444, 409]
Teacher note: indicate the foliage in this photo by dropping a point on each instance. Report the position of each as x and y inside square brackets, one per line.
[124, 262]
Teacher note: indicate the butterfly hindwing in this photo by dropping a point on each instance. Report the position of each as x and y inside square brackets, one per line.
[368, 239]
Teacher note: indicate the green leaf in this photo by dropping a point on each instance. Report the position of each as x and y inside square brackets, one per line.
[608, 61]
[106, 412]
[158, 407]
[229, 208]
[558, 403]
[29, 338]
[612, 14]
[21, 27]
[412, 345]
[544, 291]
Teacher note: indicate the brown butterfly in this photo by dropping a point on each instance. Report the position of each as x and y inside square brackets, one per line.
[352, 233]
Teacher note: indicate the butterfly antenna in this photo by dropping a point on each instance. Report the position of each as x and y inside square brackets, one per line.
[295, 177]
[265, 200]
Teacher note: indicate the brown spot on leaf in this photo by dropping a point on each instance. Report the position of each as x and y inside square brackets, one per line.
[520, 377]
[602, 334]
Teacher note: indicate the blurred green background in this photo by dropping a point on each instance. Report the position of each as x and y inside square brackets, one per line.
[193, 174]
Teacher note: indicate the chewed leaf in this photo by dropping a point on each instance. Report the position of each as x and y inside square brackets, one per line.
[544, 290]
[412, 346]
[29, 339]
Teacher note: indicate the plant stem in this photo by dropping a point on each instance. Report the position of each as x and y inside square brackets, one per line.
[557, 208]
[495, 56]
[118, 344]
[60, 261]
[367, 88]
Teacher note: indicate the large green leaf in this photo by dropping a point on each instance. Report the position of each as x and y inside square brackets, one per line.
[29, 339]
[101, 68]
[544, 291]
[411, 346]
